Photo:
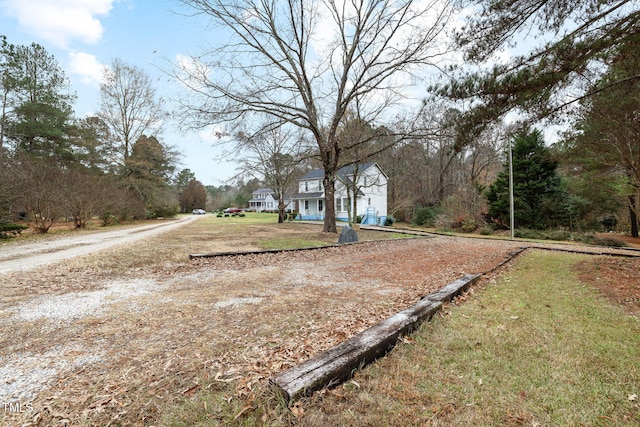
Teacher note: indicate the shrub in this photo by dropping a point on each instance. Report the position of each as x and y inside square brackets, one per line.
[165, 211]
[389, 221]
[107, 218]
[485, 231]
[426, 216]
[468, 225]
[8, 229]
[602, 241]
[562, 235]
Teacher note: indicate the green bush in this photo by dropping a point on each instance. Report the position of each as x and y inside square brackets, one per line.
[156, 212]
[389, 221]
[426, 216]
[468, 225]
[107, 218]
[485, 231]
[8, 229]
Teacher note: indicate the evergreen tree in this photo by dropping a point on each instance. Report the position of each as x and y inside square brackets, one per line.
[37, 104]
[540, 195]
[194, 195]
[604, 150]
[566, 42]
[147, 172]
[183, 178]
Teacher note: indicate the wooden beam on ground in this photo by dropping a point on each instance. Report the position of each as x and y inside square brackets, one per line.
[453, 289]
[337, 364]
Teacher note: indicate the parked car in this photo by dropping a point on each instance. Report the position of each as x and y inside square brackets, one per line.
[233, 210]
[198, 212]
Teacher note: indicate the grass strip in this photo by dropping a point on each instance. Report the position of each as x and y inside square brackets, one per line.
[535, 347]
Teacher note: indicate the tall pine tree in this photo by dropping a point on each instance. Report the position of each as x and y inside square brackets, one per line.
[540, 196]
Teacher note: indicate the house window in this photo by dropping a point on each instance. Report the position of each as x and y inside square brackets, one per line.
[319, 185]
[345, 204]
[306, 186]
[320, 205]
[365, 180]
[306, 205]
[338, 205]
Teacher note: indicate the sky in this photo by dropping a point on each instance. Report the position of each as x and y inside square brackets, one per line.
[86, 35]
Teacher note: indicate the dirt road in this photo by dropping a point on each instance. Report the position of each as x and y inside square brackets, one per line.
[28, 256]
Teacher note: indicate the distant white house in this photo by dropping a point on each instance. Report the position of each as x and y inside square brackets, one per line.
[264, 199]
[370, 185]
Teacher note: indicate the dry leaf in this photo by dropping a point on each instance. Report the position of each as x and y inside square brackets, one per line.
[245, 409]
[297, 410]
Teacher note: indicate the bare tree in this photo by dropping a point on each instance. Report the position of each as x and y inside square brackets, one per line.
[40, 183]
[128, 105]
[307, 62]
[85, 195]
[273, 155]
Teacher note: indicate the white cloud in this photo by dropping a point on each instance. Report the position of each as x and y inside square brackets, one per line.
[86, 66]
[59, 22]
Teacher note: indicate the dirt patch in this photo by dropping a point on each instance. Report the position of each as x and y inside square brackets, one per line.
[616, 278]
[239, 319]
[633, 242]
[128, 335]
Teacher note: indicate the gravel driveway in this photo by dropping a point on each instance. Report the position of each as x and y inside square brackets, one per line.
[83, 344]
[33, 255]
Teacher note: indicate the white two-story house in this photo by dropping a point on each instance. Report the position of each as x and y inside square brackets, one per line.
[366, 180]
[264, 199]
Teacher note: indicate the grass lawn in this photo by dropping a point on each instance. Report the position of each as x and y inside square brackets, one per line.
[533, 347]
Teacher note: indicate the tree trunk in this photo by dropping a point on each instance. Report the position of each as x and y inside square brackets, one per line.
[281, 208]
[329, 208]
[355, 205]
[633, 218]
[3, 116]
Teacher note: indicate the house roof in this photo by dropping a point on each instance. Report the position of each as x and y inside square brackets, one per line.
[342, 173]
[287, 196]
[349, 170]
[315, 195]
[313, 174]
[263, 190]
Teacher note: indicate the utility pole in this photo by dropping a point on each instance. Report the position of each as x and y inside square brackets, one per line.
[511, 216]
